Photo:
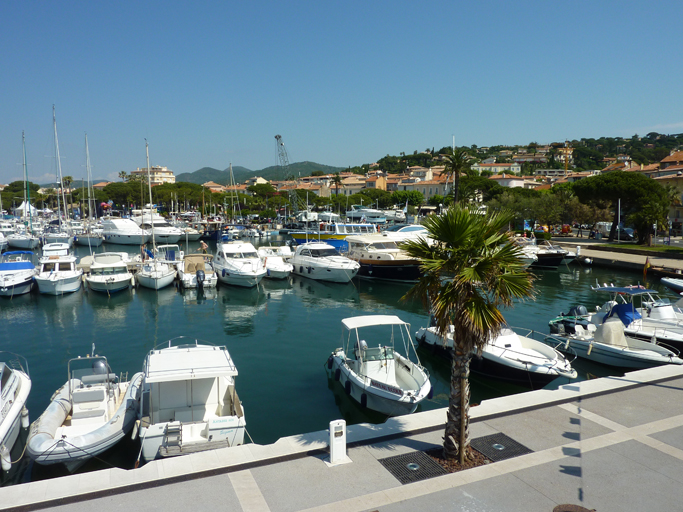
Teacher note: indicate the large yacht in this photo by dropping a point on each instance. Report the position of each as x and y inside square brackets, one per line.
[124, 231]
[163, 231]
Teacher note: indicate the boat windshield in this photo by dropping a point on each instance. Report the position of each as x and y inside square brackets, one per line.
[241, 255]
[324, 253]
[378, 354]
[108, 271]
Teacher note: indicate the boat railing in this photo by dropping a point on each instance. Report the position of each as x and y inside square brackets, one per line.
[549, 339]
[16, 362]
[185, 342]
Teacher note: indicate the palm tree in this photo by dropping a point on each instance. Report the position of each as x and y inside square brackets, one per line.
[469, 271]
[123, 175]
[456, 164]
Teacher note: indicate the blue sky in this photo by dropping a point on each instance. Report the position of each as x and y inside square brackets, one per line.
[344, 83]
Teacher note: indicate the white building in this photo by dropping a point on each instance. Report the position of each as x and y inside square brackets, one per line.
[159, 175]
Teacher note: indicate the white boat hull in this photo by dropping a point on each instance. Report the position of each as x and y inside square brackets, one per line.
[16, 286]
[245, 280]
[332, 275]
[57, 284]
[24, 242]
[126, 239]
[109, 284]
[155, 279]
[10, 425]
[88, 240]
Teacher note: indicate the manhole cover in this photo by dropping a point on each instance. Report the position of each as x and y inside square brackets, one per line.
[572, 508]
[412, 467]
[499, 447]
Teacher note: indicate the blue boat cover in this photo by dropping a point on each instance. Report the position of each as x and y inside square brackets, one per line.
[625, 312]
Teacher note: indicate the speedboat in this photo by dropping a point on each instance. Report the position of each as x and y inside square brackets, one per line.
[124, 231]
[189, 402]
[509, 356]
[675, 283]
[239, 264]
[109, 273]
[15, 385]
[379, 377]
[189, 233]
[332, 233]
[54, 234]
[275, 261]
[360, 213]
[16, 273]
[546, 257]
[58, 274]
[380, 258]
[645, 315]
[89, 414]
[4, 244]
[158, 226]
[607, 344]
[196, 271]
[320, 261]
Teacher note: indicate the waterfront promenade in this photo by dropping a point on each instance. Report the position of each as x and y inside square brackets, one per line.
[610, 444]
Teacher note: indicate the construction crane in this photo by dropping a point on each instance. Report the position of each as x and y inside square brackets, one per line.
[283, 157]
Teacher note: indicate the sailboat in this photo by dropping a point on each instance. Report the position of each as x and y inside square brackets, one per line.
[58, 234]
[154, 274]
[25, 239]
[89, 237]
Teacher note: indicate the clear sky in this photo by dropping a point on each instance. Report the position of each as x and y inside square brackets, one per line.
[344, 83]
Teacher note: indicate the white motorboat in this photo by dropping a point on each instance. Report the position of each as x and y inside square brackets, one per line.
[644, 314]
[404, 232]
[320, 261]
[239, 264]
[157, 226]
[196, 271]
[23, 240]
[547, 257]
[171, 254]
[607, 344]
[109, 273]
[509, 356]
[359, 213]
[57, 272]
[123, 231]
[89, 414]
[675, 283]
[189, 402]
[155, 275]
[55, 235]
[381, 258]
[274, 259]
[189, 233]
[89, 238]
[4, 244]
[380, 378]
[16, 273]
[15, 385]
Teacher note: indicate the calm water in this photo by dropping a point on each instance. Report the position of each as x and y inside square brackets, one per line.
[279, 336]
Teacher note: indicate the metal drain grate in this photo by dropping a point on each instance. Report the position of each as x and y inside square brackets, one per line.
[412, 467]
[499, 447]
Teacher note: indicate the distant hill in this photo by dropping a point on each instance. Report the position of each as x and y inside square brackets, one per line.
[242, 173]
[75, 184]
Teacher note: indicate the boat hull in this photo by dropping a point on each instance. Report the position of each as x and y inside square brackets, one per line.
[58, 285]
[155, 280]
[88, 241]
[549, 261]
[11, 424]
[236, 279]
[23, 243]
[16, 287]
[109, 284]
[614, 356]
[126, 239]
[390, 270]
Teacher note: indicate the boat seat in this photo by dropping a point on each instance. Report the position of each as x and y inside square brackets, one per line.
[580, 331]
[92, 395]
[82, 415]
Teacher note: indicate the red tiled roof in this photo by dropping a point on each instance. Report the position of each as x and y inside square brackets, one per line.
[676, 157]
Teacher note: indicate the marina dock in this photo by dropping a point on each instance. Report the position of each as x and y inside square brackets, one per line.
[608, 444]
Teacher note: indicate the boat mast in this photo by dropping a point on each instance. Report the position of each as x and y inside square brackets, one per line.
[27, 190]
[59, 166]
[151, 203]
[87, 167]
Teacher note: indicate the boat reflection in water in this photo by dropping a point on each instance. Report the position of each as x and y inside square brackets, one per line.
[319, 294]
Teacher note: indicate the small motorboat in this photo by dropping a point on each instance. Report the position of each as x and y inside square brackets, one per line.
[509, 356]
[607, 344]
[275, 260]
[189, 403]
[15, 385]
[155, 274]
[379, 377]
[675, 283]
[320, 261]
[89, 414]
[381, 258]
[16, 273]
[237, 263]
[109, 273]
[196, 271]
[57, 273]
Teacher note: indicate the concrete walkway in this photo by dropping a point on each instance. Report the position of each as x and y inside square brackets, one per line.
[610, 444]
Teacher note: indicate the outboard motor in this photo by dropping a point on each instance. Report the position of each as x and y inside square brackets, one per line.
[578, 311]
[201, 277]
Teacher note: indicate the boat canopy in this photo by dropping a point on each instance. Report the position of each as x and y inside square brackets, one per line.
[625, 313]
[188, 363]
[357, 322]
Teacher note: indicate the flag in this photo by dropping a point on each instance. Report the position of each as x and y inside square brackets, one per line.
[647, 265]
[405, 208]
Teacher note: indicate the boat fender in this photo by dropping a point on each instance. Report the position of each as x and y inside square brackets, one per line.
[347, 387]
[6, 458]
[301, 269]
[223, 272]
[337, 374]
[309, 269]
[364, 400]
[136, 429]
[430, 395]
[24, 418]
[330, 361]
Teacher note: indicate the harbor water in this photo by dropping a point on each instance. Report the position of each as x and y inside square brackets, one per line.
[279, 335]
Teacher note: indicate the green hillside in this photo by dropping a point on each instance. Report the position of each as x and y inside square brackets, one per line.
[242, 173]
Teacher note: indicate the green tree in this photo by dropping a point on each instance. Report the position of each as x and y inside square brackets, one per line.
[469, 272]
[457, 163]
[123, 175]
[413, 197]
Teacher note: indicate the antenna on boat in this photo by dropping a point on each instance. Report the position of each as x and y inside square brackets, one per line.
[92, 353]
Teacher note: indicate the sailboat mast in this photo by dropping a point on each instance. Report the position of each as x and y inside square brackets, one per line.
[27, 190]
[59, 166]
[151, 204]
[87, 169]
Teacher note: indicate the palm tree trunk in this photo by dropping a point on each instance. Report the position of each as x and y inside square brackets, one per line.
[457, 433]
